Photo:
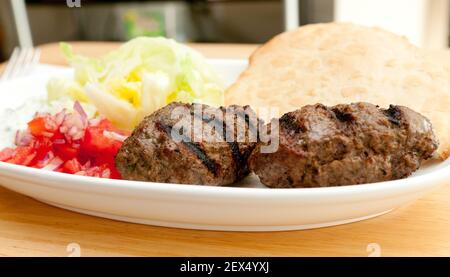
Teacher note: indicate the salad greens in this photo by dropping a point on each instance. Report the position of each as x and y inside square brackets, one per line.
[140, 77]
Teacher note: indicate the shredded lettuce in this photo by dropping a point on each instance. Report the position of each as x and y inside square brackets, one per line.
[140, 77]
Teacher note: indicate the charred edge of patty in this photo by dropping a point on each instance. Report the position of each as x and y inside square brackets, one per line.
[343, 116]
[194, 147]
[290, 123]
[238, 159]
[393, 114]
[250, 126]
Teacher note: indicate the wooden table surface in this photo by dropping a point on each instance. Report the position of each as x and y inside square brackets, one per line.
[30, 228]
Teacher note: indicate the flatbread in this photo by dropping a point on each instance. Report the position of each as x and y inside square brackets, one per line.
[342, 63]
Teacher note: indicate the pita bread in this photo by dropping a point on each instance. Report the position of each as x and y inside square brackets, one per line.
[338, 63]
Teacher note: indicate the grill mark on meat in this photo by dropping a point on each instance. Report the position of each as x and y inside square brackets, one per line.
[242, 157]
[347, 153]
[290, 123]
[343, 116]
[155, 155]
[238, 159]
[194, 147]
[393, 114]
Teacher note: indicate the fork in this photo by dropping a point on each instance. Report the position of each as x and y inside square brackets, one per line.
[21, 62]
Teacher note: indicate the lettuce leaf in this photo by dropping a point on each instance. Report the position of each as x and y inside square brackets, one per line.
[140, 77]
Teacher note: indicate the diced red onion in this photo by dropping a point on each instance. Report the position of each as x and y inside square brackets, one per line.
[74, 131]
[79, 109]
[7, 154]
[95, 121]
[29, 158]
[47, 134]
[46, 159]
[76, 145]
[54, 164]
[23, 138]
[50, 123]
[59, 141]
[106, 173]
[63, 129]
[114, 135]
[59, 117]
[73, 127]
[87, 165]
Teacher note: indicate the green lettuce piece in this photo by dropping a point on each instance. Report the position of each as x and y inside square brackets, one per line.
[138, 78]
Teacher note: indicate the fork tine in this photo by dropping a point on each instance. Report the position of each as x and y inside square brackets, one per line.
[11, 63]
[31, 60]
[37, 56]
[17, 66]
[23, 61]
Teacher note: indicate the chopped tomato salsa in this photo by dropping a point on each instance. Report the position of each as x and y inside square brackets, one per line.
[69, 143]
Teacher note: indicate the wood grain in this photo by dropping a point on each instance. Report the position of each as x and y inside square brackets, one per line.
[30, 228]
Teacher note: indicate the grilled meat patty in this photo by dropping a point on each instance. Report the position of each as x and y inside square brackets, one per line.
[359, 143]
[190, 144]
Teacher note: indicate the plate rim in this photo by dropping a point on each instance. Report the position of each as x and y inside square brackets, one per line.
[62, 180]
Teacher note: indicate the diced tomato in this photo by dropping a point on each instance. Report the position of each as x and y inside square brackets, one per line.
[57, 135]
[42, 146]
[104, 159]
[72, 166]
[90, 155]
[105, 124]
[23, 156]
[43, 126]
[66, 151]
[102, 171]
[37, 126]
[115, 173]
[95, 142]
[6, 154]
[108, 162]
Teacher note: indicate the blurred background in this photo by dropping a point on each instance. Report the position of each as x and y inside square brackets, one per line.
[424, 22]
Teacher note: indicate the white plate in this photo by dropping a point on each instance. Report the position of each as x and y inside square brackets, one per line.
[247, 208]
